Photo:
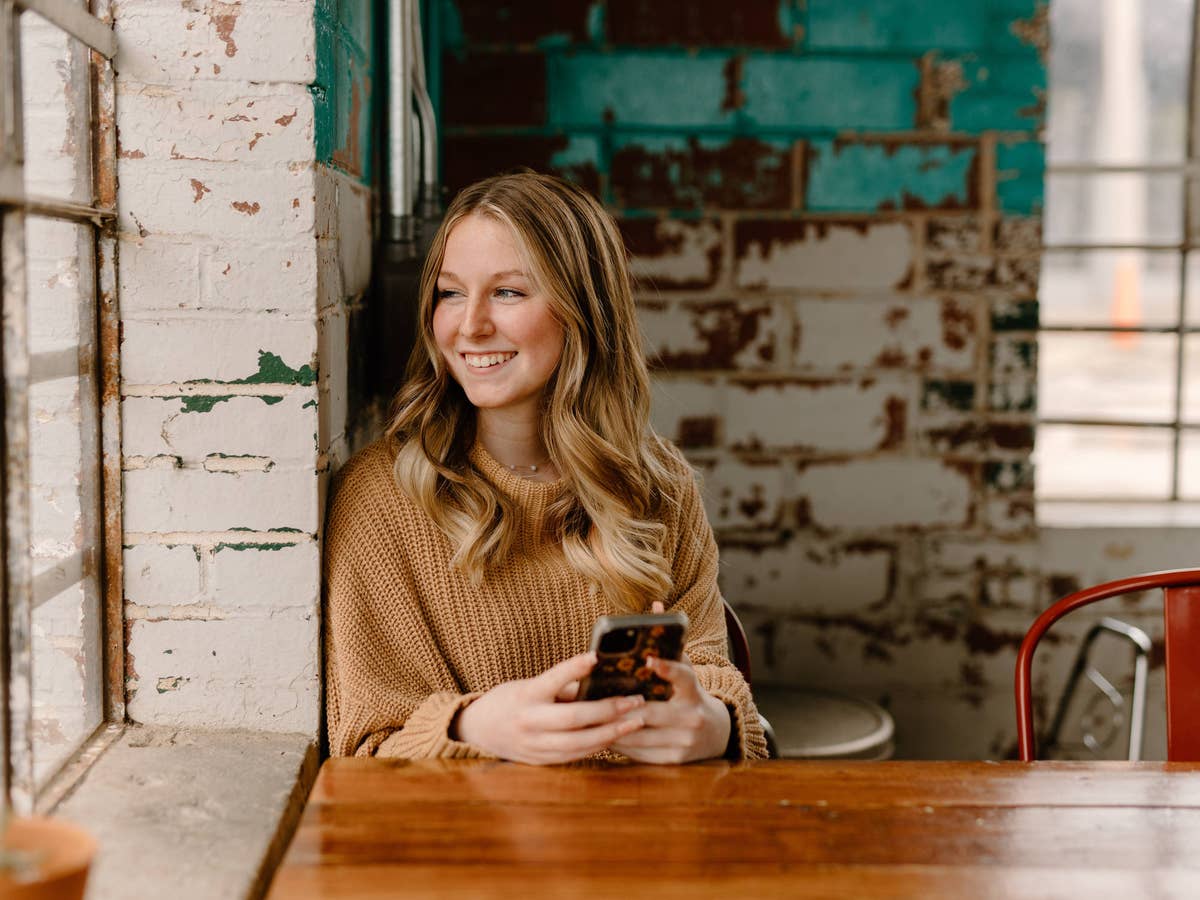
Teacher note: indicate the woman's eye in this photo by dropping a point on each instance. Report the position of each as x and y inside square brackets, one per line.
[446, 294]
[509, 294]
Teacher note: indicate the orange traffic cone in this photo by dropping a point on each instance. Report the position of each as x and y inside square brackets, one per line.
[1127, 300]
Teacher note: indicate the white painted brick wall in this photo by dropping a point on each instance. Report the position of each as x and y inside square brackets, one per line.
[174, 43]
[815, 577]
[171, 499]
[168, 351]
[886, 493]
[249, 671]
[831, 258]
[219, 272]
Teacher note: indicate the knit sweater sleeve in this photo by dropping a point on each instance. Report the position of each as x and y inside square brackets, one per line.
[694, 572]
[388, 689]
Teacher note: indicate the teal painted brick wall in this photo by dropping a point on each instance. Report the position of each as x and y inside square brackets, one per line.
[345, 98]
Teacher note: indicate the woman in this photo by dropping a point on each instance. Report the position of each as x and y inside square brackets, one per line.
[519, 494]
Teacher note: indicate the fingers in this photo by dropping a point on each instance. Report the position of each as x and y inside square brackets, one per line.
[567, 692]
[681, 676]
[561, 746]
[557, 677]
[576, 716]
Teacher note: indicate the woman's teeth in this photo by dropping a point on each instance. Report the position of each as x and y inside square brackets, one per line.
[486, 360]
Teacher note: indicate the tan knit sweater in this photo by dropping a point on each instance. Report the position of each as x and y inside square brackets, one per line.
[410, 640]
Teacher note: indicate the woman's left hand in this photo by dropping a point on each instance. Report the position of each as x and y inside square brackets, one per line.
[692, 725]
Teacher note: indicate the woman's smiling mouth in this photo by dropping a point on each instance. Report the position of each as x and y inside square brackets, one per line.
[487, 360]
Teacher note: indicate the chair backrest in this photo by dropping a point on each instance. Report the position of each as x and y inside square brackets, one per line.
[739, 646]
[1181, 615]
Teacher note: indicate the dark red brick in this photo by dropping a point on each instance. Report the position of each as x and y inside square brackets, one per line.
[494, 89]
[522, 23]
[468, 158]
[742, 174]
[703, 23]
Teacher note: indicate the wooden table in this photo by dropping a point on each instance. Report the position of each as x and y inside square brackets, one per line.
[965, 830]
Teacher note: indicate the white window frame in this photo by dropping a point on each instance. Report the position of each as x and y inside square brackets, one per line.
[95, 361]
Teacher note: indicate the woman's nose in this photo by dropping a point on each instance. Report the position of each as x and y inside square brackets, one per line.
[476, 319]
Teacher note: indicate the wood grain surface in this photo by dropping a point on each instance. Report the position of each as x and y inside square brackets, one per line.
[376, 828]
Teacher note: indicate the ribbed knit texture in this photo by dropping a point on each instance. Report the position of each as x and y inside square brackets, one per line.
[410, 640]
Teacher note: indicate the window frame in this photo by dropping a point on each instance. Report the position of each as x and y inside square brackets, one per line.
[1189, 244]
[96, 364]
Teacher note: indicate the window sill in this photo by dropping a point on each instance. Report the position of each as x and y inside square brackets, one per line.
[191, 814]
[1074, 514]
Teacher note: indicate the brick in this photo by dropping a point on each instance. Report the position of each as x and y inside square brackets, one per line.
[215, 200]
[811, 577]
[255, 672]
[275, 577]
[942, 396]
[259, 278]
[1001, 94]
[687, 411]
[859, 177]
[645, 23]
[672, 254]
[344, 219]
[959, 553]
[279, 429]
[168, 500]
[484, 88]
[1020, 177]
[333, 347]
[1013, 314]
[866, 25]
[959, 436]
[588, 88]
[953, 234]
[1019, 234]
[886, 493]
[816, 416]
[888, 333]
[260, 124]
[697, 173]
[822, 256]
[484, 22]
[158, 273]
[264, 41]
[1013, 356]
[716, 334]
[263, 350]
[744, 495]
[850, 93]
[159, 575]
[976, 272]
[1010, 514]
[468, 158]
[1009, 475]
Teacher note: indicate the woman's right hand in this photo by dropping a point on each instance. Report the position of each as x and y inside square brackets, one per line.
[526, 721]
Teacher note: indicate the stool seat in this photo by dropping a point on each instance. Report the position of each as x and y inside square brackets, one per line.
[810, 723]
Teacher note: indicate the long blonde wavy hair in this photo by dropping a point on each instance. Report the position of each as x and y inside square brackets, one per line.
[596, 406]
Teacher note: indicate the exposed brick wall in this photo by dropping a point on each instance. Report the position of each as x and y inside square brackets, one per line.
[244, 239]
[833, 210]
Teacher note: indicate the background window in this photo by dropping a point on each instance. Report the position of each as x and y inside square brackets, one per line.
[1119, 364]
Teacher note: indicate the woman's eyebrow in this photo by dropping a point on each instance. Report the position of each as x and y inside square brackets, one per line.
[497, 275]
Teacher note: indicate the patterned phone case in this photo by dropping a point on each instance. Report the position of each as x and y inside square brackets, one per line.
[622, 645]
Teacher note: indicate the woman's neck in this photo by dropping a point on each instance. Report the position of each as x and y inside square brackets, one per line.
[515, 442]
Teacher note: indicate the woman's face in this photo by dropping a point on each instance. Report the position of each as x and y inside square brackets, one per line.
[491, 323]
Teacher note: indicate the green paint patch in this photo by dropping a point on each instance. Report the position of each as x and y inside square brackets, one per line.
[217, 548]
[273, 370]
[310, 403]
[203, 403]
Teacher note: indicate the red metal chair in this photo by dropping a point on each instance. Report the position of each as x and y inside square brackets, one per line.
[739, 652]
[1181, 614]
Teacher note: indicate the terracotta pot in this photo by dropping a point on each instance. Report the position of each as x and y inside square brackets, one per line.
[64, 853]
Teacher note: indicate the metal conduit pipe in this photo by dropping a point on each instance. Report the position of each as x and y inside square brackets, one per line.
[430, 202]
[401, 200]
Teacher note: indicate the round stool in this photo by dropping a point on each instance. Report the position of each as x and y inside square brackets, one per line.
[816, 724]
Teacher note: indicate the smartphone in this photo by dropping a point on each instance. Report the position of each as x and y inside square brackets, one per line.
[622, 645]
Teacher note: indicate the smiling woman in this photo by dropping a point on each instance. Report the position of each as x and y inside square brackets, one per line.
[520, 493]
